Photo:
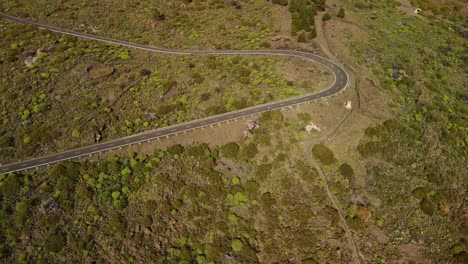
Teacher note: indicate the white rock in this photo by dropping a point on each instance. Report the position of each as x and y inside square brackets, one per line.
[311, 127]
[348, 105]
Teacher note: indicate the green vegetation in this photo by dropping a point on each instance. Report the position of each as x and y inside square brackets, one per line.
[326, 17]
[247, 201]
[346, 171]
[454, 11]
[303, 13]
[280, 2]
[323, 154]
[63, 90]
[185, 204]
[176, 24]
[417, 164]
[341, 13]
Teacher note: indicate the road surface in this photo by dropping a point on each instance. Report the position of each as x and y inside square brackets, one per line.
[341, 82]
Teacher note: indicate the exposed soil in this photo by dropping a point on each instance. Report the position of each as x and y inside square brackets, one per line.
[300, 71]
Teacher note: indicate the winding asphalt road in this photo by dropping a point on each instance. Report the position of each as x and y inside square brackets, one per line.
[341, 82]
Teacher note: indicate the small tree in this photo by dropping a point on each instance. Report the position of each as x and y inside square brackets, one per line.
[323, 154]
[76, 133]
[236, 245]
[301, 38]
[341, 13]
[326, 17]
[313, 33]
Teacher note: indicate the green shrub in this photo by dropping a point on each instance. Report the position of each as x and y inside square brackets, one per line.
[419, 193]
[265, 45]
[230, 150]
[312, 33]
[76, 133]
[302, 15]
[427, 206]
[301, 38]
[26, 114]
[346, 170]
[323, 154]
[236, 245]
[251, 186]
[176, 149]
[250, 151]
[23, 206]
[280, 2]
[341, 13]
[10, 186]
[326, 17]
[117, 224]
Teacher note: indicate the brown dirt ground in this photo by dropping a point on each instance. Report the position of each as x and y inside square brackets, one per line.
[299, 71]
[334, 36]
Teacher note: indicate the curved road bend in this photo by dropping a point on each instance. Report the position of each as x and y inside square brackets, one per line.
[340, 84]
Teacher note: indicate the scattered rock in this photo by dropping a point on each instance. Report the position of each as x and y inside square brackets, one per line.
[31, 60]
[48, 206]
[247, 134]
[348, 105]
[311, 127]
[397, 73]
[251, 126]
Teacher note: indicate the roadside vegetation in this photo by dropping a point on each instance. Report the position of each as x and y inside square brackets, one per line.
[183, 24]
[303, 13]
[401, 189]
[248, 201]
[59, 92]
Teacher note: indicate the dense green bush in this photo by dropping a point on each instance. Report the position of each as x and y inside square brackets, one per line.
[341, 13]
[176, 149]
[323, 154]
[230, 150]
[303, 13]
[312, 34]
[346, 170]
[427, 206]
[249, 151]
[301, 38]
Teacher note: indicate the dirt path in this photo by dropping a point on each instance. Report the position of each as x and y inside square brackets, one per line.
[336, 203]
[324, 45]
[322, 40]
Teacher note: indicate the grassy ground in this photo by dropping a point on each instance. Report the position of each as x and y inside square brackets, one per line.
[177, 24]
[410, 199]
[192, 203]
[64, 90]
[454, 11]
